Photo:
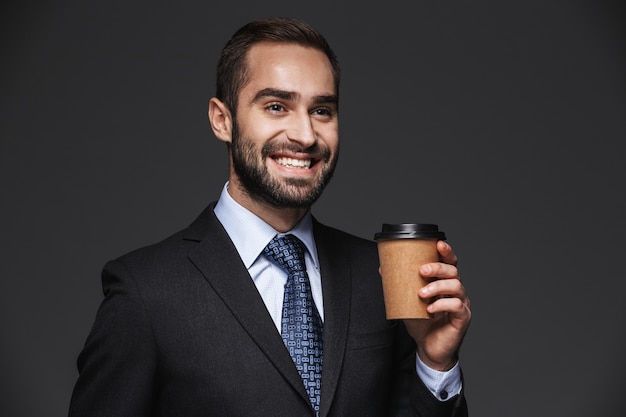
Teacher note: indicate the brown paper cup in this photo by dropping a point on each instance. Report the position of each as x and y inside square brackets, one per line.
[400, 260]
[402, 249]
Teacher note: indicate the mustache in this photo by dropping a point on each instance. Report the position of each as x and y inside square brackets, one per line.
[314, 151]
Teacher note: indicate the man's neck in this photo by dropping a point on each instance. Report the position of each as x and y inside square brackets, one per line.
[280, 218]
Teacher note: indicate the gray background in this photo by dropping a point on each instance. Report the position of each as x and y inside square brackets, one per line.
[503, 122]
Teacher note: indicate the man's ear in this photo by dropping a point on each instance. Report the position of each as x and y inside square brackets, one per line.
[221, 120]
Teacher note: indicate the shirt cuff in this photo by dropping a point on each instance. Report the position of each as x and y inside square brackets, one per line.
[442, 384]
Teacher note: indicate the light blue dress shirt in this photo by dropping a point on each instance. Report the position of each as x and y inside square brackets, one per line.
[250, 234]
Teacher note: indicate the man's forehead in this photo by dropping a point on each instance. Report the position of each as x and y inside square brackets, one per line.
[288, 71]
[264, 55]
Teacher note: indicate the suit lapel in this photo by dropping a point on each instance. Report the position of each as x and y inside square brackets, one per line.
[217, 259]
[336, 285]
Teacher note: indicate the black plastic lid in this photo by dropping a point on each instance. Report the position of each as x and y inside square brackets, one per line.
[410, 231]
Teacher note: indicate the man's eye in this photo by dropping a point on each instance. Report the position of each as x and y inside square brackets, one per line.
[323, 112]
[275, 108]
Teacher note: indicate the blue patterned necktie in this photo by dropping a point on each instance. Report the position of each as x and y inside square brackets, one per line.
[301, 327]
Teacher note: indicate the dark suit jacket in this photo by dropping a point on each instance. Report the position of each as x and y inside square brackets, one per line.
[182, 331]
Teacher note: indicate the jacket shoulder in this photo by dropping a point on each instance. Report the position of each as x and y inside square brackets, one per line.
[175, 247]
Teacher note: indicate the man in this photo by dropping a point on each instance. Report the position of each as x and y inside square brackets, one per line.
[194, 326]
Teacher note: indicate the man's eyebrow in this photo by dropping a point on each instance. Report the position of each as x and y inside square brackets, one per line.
[292, 96]
[329, 99]
[273, 92]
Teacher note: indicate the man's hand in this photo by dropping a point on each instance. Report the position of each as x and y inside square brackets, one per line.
[439, 338]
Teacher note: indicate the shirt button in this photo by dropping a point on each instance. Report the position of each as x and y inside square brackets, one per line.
[443, 394]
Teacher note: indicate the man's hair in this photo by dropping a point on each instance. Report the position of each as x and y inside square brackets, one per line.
[232, 68]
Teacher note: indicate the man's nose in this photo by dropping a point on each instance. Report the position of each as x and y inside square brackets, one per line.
[301, 129]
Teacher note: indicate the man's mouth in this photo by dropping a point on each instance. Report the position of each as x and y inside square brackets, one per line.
[293, 162]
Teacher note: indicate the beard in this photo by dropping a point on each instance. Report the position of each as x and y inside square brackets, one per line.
[249, 165]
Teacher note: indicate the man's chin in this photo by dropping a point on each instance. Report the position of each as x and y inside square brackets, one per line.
[292, 196]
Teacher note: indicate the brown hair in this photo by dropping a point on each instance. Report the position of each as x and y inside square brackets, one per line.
[232, 71]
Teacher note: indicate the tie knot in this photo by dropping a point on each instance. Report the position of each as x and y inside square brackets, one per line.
[286, 251]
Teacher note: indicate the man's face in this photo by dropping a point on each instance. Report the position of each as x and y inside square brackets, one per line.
[285, 137]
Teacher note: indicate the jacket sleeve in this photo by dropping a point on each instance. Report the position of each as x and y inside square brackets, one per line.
[117, 364]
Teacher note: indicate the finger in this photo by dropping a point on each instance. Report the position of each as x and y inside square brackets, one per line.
[439, 270]
[454, 306]
[446, 253]
[444, 288]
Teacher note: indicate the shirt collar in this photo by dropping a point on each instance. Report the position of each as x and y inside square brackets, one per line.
[241, 224]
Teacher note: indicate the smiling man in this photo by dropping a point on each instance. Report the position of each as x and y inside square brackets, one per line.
[257, 309]
[283, 135]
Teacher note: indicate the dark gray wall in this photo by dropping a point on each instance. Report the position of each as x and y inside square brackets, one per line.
[504, 122]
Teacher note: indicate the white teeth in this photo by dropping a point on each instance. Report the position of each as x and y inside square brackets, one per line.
[294, 163]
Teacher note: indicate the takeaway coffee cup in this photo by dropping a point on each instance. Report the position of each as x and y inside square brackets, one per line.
[402, 249]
